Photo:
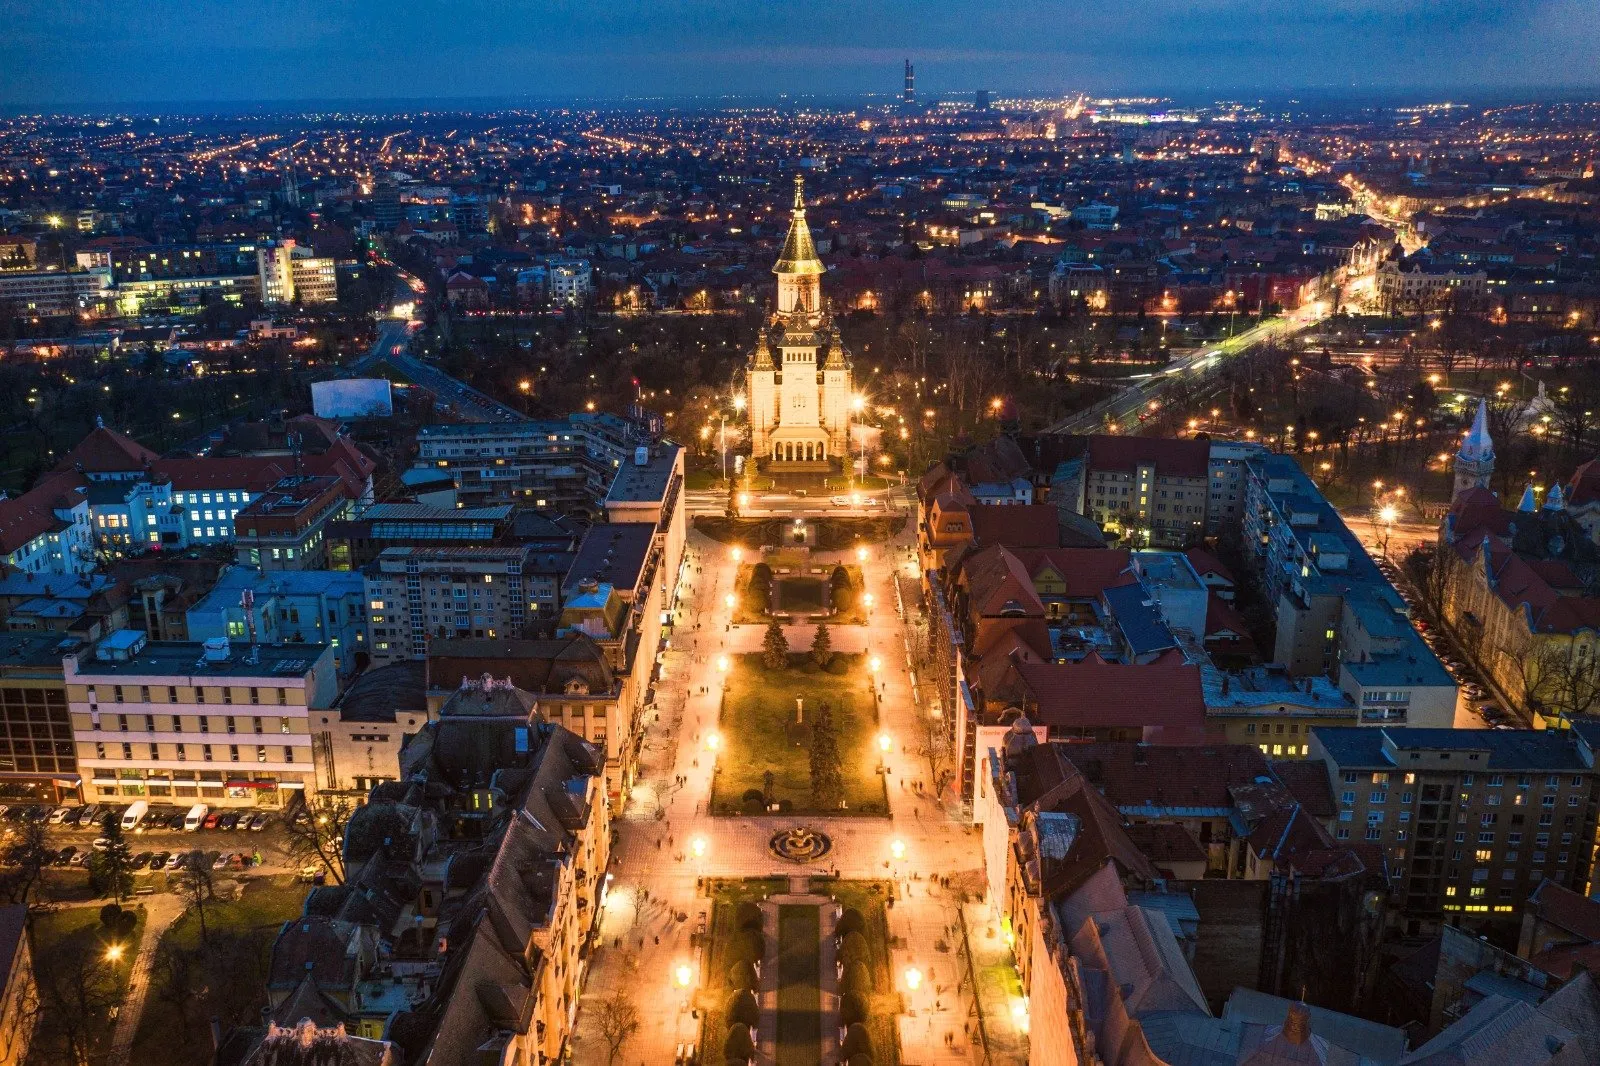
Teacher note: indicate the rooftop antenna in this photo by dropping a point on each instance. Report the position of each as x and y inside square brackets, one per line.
[247, 600]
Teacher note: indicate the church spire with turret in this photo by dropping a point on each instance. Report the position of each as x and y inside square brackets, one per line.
[1475, 460]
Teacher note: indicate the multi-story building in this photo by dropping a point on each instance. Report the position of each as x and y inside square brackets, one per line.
[290, 274]
[54, 292]
[19, 995]
[1470, 820]
[286, 606]
[571, 282]
[1412, 285]
[356, 541]
[184, 722]
[37, 759]
[415, 595]
[47, 530]
[284, 527]
[1335, 612]
[557, 465]
[1159, 491]
[357, 741]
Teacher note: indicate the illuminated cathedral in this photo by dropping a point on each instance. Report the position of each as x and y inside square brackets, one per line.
[798, 378]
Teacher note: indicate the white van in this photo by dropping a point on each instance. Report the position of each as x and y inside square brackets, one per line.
[195, 818]
[133, 815]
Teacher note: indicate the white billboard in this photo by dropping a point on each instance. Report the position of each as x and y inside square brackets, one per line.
[352, 398]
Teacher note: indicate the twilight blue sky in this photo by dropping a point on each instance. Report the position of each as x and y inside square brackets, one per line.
[88, 52]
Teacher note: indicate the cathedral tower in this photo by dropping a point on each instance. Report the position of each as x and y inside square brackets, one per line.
[798, 377]
[1475, 460]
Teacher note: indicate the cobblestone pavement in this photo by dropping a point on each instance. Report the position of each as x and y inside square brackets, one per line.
[655, 899]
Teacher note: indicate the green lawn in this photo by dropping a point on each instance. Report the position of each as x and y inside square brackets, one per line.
[59, 940]
[713, 996]
[799, 1032]
[168, 1038]
[884, 1004]
[758, 707]
[798, 595]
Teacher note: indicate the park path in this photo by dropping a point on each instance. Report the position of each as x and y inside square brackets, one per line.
[160, 911]
[643, 942]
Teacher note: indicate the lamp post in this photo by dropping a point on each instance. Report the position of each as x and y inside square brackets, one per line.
[858, 403]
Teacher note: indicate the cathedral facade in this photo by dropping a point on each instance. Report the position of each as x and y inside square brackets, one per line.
[797, 383]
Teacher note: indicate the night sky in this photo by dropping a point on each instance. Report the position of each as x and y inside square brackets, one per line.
[90, 52]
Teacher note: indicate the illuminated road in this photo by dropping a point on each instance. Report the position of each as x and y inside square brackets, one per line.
[1120, 413]
[463, 401]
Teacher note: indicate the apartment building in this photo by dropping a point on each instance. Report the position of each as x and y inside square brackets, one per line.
[290, 274]
[415, 595]
[355, 541]
[1470, 820]
[184, 722]
[1164, 492]
[285, 527]
[559, 464]
[55, 292]
[1334, 612]
[47, 530]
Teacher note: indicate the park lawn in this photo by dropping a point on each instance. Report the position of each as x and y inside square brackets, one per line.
[713, 995]
[799, 1027]
[757, 707]
[795, 594]
[265, 904]
[63, 936]
[884, 1004]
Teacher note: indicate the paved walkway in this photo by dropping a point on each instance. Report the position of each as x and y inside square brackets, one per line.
[643, 943]
[160, 912]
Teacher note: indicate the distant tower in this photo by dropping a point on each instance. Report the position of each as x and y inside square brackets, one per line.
[1475, 460]
[980, 100]
[909, 99]
[291, 186]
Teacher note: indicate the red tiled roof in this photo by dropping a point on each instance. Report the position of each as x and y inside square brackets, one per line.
[1585, 484]
[251, 472]
[1171, 457]
[1147, 774]
[1307, 782]
[1015, 526]
[1205, 563]
[33, 513]
[1166, 842]
[997, 583]
[107, 451]
[1577, 914]
[1094, 694]
[1085, 572]
[1223, 617]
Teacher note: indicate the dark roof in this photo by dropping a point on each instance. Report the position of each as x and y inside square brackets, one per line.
[1015, 525]
[1170, 457]
[1139, 775]
[1095, 694]
[1556, 905]
[1505, 749]
[612, 554]
[542, 667]
[1307, 782]
[1166, 842]
[105, 451]
[376, 695]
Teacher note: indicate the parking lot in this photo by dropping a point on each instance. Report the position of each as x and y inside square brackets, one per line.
[227, 839]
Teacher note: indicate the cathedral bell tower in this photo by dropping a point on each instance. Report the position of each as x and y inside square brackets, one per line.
[1475, 460]
[798, 377]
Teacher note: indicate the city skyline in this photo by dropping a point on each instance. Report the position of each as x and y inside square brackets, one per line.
[293, 52]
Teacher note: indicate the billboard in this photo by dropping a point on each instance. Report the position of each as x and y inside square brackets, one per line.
[352, 398]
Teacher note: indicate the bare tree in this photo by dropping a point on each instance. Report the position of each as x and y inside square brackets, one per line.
[27, 859]
[196, 887]
[619, 1020]
[1560, 679]
[933, 746]
[77, 994]
[315, 832]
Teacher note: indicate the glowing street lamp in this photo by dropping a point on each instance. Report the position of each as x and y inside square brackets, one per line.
[875, 664]
[913, 978]
[683, 974]
[883, 742]
[728, 599]
[866, 598]
[697, 847]
[897, 848]
[738, 553]
[114, 953]
[722, 664]
[713, 741]
[861, 555]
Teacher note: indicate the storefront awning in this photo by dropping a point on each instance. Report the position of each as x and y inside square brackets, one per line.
[252, 784]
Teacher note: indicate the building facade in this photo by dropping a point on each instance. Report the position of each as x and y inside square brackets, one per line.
[417, 594]
[183, 722]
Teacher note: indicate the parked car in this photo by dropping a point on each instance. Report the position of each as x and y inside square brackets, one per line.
[14, 814]
[238, 861]
[141, 860]
[178, 861]
[159, 860]
[88, 816]
[82, 858]
[212, 819]
[101, 843]
[219, 862]
[59, 815]
[259, 822]
[229, 820]
[66, 856]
